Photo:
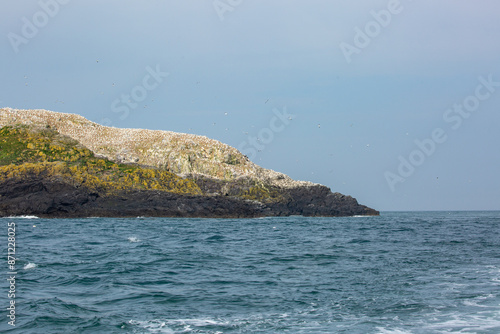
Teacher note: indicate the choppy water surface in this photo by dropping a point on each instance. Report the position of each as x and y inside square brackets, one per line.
[413, 272]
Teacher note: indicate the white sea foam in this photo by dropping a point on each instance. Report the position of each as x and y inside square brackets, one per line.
[199, 322]
[453, 287]
[133, 239]
[23, 217]
[495, 272]
[462, 323]
[382, 330]
[475, 301]
[153, 326]
[30, 265]
[172, 325]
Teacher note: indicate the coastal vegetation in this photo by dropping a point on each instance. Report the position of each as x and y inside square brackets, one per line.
[28, 151]
[63, 165]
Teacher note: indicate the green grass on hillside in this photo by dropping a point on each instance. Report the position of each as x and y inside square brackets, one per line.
[27, 151]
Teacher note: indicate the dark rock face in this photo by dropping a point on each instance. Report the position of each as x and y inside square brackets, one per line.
[35, 196]
[319, 201]
[54, 198]
[316, 200]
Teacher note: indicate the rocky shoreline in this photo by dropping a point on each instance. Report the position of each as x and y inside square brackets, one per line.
[53, 198]
[55, 165]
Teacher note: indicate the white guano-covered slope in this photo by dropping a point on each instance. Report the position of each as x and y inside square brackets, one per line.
[183, 154]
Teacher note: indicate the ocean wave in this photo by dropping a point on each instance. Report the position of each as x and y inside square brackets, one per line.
[154, 326]
[187, 277]
[30, 265]
[382, 330]
[23, 217]
[133, 239]
[174, 325]
[466, 323]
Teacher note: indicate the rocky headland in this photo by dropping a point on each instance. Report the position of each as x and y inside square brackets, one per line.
[61, 165]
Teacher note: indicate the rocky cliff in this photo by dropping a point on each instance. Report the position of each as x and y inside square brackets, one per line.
[63, 165]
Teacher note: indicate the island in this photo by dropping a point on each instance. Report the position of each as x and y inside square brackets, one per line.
[60, 165]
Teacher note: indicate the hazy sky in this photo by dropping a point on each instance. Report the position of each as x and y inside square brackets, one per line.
[396, 103]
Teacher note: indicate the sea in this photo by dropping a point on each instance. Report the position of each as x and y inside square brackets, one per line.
[400, 272]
